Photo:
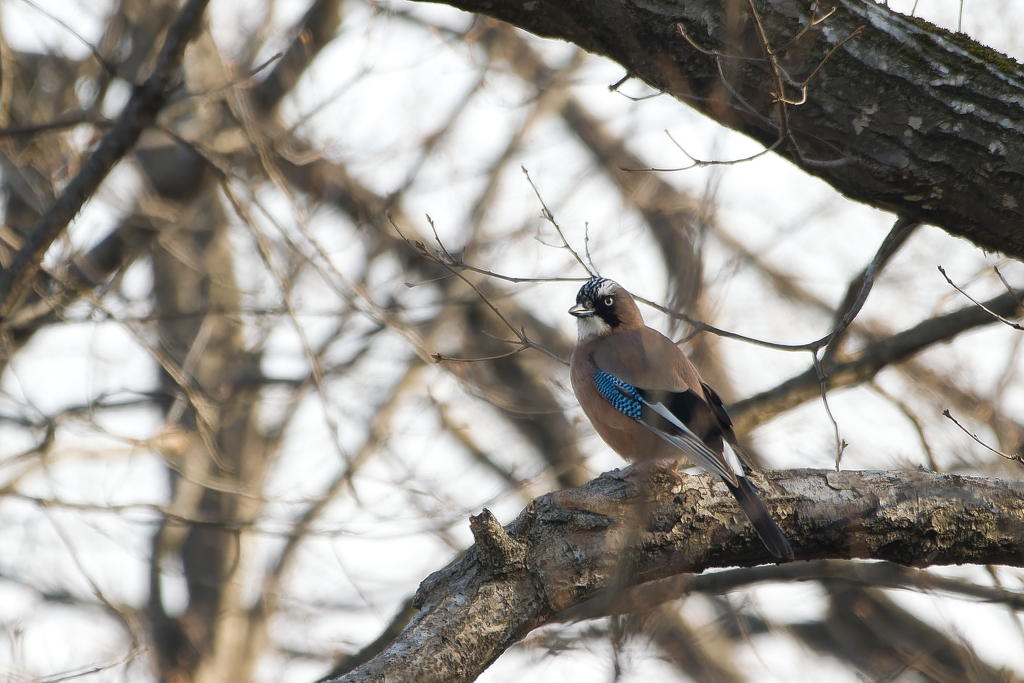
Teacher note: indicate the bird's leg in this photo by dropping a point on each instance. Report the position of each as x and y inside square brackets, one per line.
[622, 475]
[671, 468]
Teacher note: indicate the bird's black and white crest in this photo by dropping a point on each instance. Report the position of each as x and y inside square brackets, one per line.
[595, 308]
[594, 290]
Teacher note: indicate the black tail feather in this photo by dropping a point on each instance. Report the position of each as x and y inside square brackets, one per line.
[770, 533]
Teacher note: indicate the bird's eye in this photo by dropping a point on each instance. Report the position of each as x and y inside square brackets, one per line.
[609, 300]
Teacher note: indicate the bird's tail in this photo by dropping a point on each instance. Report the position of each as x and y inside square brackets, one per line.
[770, 533]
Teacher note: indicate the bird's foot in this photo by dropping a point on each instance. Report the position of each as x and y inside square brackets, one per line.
[672, 470]
[621, 475]
[643, 470]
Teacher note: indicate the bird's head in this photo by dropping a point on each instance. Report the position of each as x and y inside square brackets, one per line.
[603, 307]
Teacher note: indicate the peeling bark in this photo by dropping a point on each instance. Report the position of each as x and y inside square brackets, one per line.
[906, 117]
[604, 537]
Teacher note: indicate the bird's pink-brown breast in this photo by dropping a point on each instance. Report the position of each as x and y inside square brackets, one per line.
[623, 434]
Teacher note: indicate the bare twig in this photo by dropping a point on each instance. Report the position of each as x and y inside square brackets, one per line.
[840, 443]
[701, 163]
[914, 420]
[779, 94]
[284, 286]
[778, 74]
[1002, 279]
[855, 291]
[681, 30]
[550, 218]
[1017, 458]
[814, 21]
[618, 84]
[70, 29]
[980, 305]
[443, 258]
[893, 239]
[803, 85]
[93, 670]
[314, 31]
[586, 247]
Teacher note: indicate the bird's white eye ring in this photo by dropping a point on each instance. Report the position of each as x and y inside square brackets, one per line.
[609, 300]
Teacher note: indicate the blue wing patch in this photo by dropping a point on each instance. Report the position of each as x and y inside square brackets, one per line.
[631, 402]
[624, 397]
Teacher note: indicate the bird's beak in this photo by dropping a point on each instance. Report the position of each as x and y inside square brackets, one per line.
[581, 311]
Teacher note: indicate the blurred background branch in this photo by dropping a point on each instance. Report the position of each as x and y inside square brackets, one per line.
[226, 451]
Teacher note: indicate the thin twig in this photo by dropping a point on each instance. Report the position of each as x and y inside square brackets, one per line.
[879, 354]
[315, 367]
[881, 256]
[438, 358]
[459, 263]
[93, 670]
[904, 408]
[1017, 458]
[814, 21]
[840, 443]
[1003, 280]
[896, 238]
[779, 95]
[681, 30]
[700, 163]
[550, 218]
[442, 260]
[738, 102]
[980, 305]
[617, 84]
[586, 246]
[70, 29]
[803, 85]
[855, 34]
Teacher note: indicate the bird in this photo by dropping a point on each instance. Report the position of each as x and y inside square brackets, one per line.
[648, 402]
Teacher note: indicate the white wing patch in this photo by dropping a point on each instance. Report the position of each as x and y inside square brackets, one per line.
[732, 459]
[660, 409]
[690, 443]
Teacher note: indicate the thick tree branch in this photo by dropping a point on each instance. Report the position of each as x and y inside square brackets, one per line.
[610, 535]
[906, 117]
[146, 102]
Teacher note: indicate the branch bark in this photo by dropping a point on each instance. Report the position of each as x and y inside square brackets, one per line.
[906, 117]
[599, 539]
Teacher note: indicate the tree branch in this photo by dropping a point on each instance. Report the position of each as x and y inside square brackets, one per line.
[609, 535]
[146, 102]
[907, 117]
[760, 408]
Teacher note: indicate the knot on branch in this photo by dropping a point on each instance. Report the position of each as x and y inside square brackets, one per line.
[498, 551]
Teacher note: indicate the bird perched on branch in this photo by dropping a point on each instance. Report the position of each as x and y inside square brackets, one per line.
[648, 402]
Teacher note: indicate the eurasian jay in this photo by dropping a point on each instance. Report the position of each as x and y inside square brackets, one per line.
[648, 402]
